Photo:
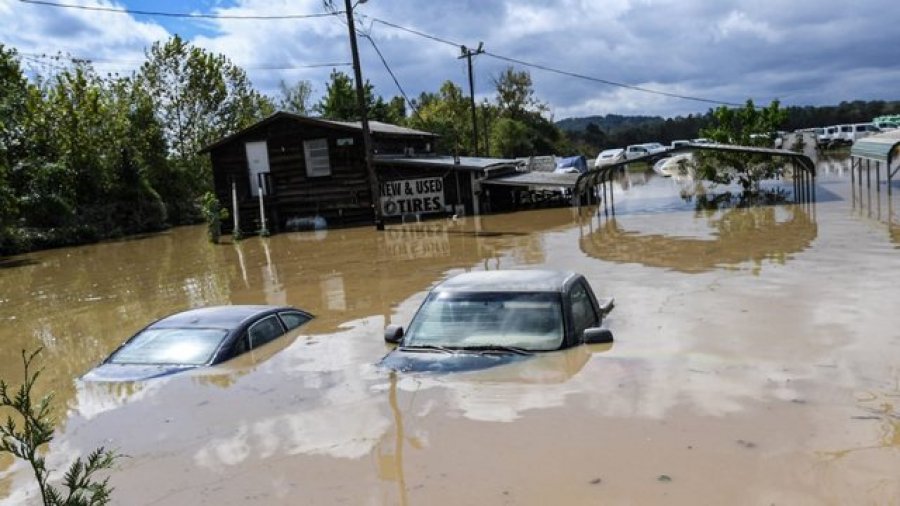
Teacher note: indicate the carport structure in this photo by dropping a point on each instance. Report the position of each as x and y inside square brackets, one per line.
[804, 172]
[882, 149]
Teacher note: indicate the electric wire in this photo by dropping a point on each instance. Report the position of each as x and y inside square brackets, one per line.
[387, 67]
[102, 61]
[558, 71]
[334, 12]
[199, 15]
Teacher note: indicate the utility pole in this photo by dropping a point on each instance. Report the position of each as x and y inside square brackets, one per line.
[364, 119]
[468, 54]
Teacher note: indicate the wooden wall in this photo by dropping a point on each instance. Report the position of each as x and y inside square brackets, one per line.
[342, 198]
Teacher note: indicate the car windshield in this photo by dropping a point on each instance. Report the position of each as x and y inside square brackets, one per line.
[170, 346]
[532, 321]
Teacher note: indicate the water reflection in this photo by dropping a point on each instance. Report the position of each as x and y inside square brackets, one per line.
[735, 236]
[80, 303]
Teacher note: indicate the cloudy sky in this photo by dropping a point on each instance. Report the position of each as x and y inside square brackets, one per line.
[803, 52]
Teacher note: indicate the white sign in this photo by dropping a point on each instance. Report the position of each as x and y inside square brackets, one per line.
[412, 196]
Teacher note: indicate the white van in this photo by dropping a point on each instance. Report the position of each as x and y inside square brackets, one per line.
[845, 134]
[861, 130]
[829, 135]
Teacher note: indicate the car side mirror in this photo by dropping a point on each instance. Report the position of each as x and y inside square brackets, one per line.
[393, 334]
[597, 335]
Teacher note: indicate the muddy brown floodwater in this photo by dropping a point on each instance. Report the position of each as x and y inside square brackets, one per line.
[755, 361]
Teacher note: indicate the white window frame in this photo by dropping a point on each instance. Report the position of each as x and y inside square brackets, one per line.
[318, 161]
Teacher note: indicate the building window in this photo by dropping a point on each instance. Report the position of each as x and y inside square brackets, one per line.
[317, 162]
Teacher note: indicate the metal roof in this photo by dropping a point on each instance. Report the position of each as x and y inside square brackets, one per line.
[375, 127]
[879, 147]
[448, 162]
[530, 280]
[549, 179]
[378, 127]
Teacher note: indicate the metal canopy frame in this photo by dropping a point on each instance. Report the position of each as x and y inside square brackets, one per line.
[603, 174]
[879, 148]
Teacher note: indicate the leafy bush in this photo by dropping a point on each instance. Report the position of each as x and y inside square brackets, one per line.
[36, 430]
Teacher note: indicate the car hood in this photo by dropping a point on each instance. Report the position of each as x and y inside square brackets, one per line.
[440, 362]
[132, 372]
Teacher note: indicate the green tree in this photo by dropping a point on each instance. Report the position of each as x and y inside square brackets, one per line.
[339, 101]
[515, 94]
[198, 97]
[295, 98]
[510, 138]
[516, 102]
[447, 114]
[746, 126]
[13, 111]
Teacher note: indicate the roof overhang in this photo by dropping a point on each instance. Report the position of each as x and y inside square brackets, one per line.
[536, 179]
[376, 128]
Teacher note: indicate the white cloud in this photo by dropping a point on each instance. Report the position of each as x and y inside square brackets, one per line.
[738, 23]
[807, 51]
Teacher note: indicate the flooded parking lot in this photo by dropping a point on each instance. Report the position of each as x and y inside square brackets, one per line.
[754, 362]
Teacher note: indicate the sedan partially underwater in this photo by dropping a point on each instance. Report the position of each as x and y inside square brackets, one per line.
[478, 320]
[196, 338]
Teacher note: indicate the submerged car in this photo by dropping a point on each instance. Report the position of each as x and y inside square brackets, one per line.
[482, 319]
[196, 338]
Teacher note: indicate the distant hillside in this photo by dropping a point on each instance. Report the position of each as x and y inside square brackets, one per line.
[615, 130]
[609, 123]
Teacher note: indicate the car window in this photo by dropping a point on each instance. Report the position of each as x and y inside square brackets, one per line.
[463, 320]
[293, 319]
[264, 331]
[583, 314]
[189, 346]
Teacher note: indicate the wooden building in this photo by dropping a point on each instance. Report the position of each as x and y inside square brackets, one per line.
[311, 173]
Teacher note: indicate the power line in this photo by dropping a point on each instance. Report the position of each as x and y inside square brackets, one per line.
[558, 71]
[179, 14]
[368, 36]
[608, 82]
[412, 106]
[102, 61]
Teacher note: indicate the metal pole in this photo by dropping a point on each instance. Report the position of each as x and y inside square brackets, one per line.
[467, 54]
[364, 120]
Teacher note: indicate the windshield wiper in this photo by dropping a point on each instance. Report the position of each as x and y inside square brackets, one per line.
[426, 347]
[496, 347]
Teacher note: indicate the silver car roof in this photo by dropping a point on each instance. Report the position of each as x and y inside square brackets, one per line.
[531, 280]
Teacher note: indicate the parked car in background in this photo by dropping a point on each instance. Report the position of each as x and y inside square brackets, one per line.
[482, 319]
[638, 150]
[196, 338]
[679, 143]
[610, 156]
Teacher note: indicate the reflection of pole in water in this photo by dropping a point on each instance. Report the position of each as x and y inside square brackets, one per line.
[240, 255]
[391, 466]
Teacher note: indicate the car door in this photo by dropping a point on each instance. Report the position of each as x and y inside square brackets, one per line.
[264, 331]
[583, 310]
[293, 319]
